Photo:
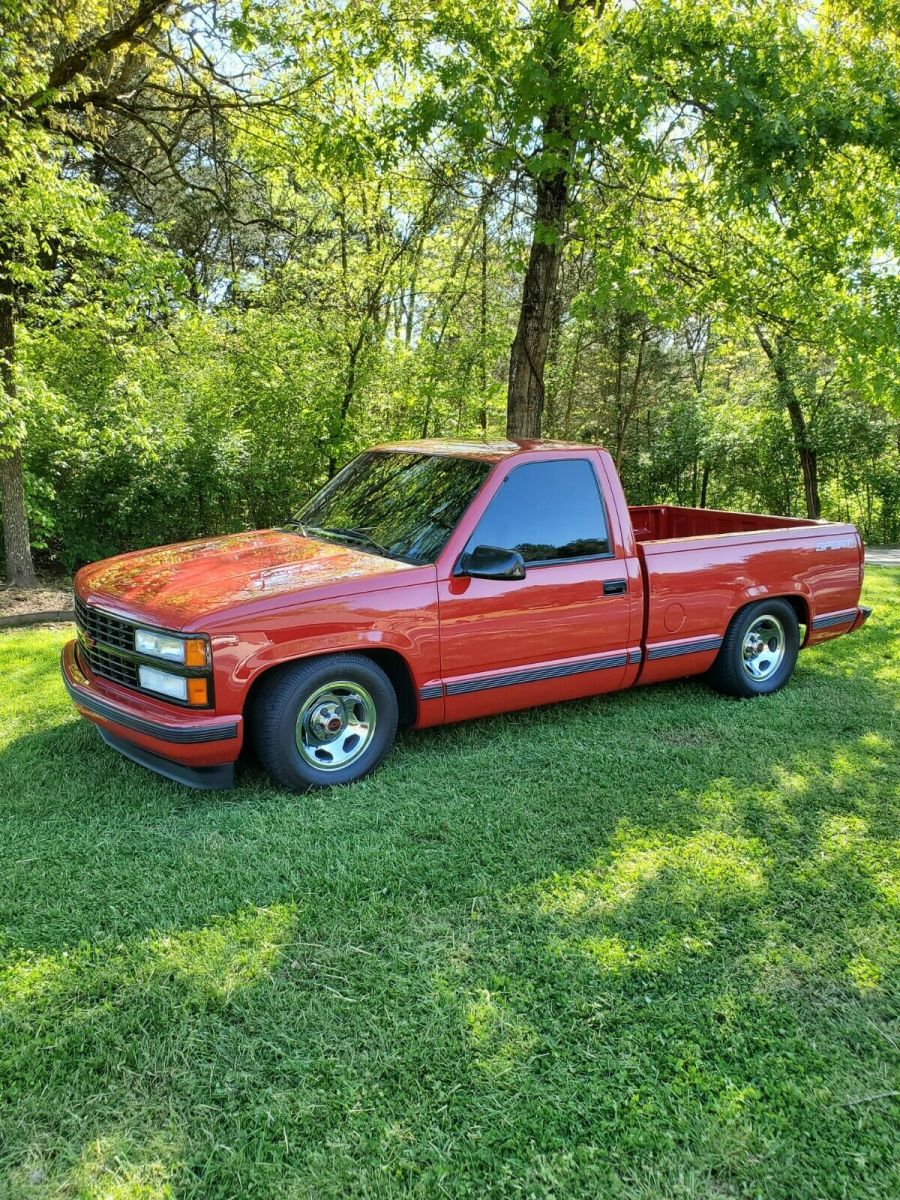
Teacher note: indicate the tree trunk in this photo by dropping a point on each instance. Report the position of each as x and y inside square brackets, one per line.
[16, 542]
[627, 405]
[483, 314]
[551, 399]
[806, 451]
[704, 484]
[411, 307]
[346, 398]
[528, 354]
[572, 381]
[525, 395]
[809, 465]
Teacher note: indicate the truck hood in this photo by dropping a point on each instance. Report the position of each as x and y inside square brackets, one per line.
[180, 584]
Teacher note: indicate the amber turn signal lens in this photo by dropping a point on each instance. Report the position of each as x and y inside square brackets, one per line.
[197, 691]
[195, 654]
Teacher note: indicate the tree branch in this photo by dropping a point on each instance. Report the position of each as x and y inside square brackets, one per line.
[74, 64]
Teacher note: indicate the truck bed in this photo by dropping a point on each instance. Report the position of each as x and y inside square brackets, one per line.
[700, 566]
[663, 522]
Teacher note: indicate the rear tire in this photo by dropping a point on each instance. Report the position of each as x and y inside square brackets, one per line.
[323, 722]
[759, 650]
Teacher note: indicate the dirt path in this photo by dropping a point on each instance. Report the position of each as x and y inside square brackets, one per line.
[26, 606]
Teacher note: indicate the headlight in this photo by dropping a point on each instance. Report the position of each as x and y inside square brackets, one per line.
[160, 645]
[174, 687]
[190, 651]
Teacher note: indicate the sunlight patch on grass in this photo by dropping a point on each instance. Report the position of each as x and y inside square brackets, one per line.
[233, 953]
[687, 872]
[863, 755]
[33, 979]
[213, 962]
[656, 905]
[671, 952]
[843, 834]
[611, 954]
[876, 742]
[777, 801]
[112, 1168]
[845, 843]
[789, 783]
[498, 1035]
[32, 695]
[866, 974]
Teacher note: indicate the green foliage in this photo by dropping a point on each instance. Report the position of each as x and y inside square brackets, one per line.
[228, 420]
[215, 308]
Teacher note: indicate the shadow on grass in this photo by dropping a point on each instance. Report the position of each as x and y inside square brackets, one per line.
[641, 946]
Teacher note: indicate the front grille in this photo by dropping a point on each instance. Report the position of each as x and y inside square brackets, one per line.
[103, 634]
[110, 666]
[104, 626]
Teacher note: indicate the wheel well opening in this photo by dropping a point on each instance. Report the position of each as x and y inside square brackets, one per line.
[797, 603]
[800, 607]
[393, 664]
[395, 667]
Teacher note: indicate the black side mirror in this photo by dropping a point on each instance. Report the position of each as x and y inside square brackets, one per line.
[492, 562]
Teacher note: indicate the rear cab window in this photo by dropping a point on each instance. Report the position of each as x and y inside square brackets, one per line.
[550, 512]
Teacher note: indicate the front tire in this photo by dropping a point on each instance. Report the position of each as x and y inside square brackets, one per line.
[759, 650]
[323, 722]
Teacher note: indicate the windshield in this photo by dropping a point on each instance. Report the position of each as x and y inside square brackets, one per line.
[402, 505]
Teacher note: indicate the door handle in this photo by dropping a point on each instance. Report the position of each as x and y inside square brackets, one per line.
[615, 587]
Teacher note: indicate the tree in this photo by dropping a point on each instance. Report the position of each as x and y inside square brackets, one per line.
[368, 218]
[740, 104]
[55, 62]
[550, 169]
[103, 107]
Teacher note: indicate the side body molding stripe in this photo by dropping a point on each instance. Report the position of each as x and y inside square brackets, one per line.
[835, 618]
[705, 645]
[673, 649]
[525, 675]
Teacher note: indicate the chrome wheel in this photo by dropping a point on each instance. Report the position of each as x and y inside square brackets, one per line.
[762, 650]
[335, 725]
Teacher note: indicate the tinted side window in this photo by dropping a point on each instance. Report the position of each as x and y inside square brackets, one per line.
[546, 511]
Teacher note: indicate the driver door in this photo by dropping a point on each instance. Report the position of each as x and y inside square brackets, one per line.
[563, 630]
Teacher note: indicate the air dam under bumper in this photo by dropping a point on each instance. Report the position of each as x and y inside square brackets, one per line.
[183, 745]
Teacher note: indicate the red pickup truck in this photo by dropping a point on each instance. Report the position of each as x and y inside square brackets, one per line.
[438, 581]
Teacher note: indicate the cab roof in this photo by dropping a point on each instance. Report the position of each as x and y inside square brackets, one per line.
[488, 451]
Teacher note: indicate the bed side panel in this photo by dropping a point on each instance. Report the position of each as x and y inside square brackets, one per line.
[696, 586]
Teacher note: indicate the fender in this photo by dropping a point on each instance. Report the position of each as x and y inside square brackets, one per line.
[403, 620]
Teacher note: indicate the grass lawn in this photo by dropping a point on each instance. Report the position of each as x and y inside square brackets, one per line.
[641, 946]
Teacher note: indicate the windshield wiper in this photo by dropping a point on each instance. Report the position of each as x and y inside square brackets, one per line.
[351, 535]
[295, 525]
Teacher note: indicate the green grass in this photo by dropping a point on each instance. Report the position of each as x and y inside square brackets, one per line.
[642, 946]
